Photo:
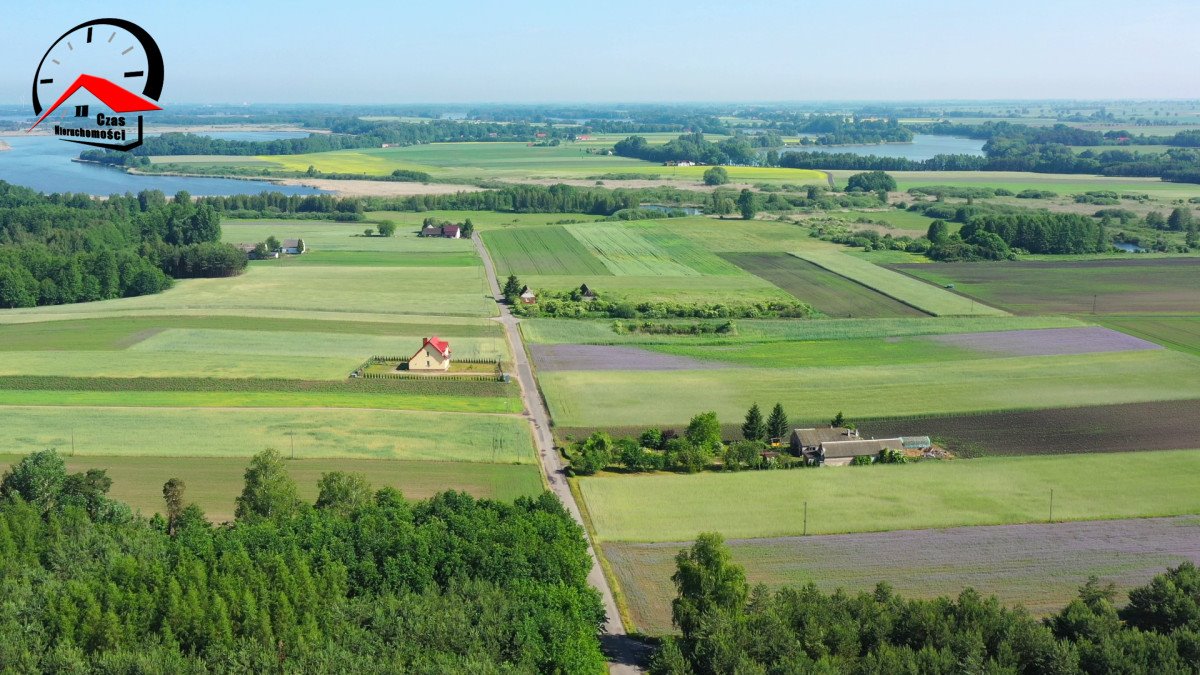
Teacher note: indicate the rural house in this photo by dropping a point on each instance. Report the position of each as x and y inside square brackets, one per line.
[586, 294]
[528, 297]
[294, 246]
[838, 446]
[448, 231]
[434, 354]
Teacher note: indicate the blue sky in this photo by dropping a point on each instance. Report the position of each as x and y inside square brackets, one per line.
[648, 50]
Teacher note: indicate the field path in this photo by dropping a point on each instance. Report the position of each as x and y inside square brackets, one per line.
[624, 653]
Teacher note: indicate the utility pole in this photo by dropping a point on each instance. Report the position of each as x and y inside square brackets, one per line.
[1093, 304]
[805, 519]
[292, 438]
[72, 442]
[1052, 505]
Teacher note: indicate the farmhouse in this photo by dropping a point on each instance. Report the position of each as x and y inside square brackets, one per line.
[838, 446]
[433, 355]
[528, 297]
[294, 246]
[253, 253]
[448, 231]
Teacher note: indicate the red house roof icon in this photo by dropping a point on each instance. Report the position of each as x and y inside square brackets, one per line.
[118, 99]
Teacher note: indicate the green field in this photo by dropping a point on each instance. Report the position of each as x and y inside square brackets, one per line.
[1176, 332]
[1064, 184]
[551, 331]
[1027, 565]
[1157, 286]
[461, 291]
[325, 235]
[488, 160]
[823, 353]
[991, 491]
[875, 389]
[544, 250]
[645, 249]
[241, 432]
[925, 297]
[832, 294]
[214, 482]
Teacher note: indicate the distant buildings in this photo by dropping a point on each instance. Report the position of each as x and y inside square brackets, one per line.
[449, 231]
[837, 446]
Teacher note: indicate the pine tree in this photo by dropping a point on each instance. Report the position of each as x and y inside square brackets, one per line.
[753, 428]
[777, 423]
[839, 420]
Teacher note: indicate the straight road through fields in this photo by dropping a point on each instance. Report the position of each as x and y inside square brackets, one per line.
[624, 653]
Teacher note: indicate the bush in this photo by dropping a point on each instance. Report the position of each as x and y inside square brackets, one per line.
[717, 175]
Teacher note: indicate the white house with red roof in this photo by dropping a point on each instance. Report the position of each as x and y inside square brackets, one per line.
[434, 354]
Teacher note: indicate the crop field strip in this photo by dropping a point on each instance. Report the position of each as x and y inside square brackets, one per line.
[1162, 425]
[241, 432]
[1154, 286]
[986, 491]
[544, 250]
[551, 331]
[830, 293]
[618, 398]
[923, 296]
[214, 482]
[1040, 567]
[641, 250]
[1181, 333]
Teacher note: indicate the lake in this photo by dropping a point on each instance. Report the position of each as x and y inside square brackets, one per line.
[923, 146]
[44, 164]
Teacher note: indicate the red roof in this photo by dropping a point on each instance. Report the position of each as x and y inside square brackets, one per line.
[438, 344]
[118, 99]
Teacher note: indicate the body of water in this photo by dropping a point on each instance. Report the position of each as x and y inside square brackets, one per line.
[1129, 248]
[923, 146]
[44, 164]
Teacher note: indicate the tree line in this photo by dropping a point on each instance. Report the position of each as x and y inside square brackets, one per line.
[727, 626]
[690, 147]
[65, 248]
[363, 580]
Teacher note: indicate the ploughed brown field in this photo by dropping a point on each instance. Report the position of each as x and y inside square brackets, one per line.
[1120, 286]
[1163, 425]
[1040, 567]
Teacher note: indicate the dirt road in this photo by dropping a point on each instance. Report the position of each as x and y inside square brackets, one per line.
[623, 652]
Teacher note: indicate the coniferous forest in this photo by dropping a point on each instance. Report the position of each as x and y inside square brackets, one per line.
[362, 581]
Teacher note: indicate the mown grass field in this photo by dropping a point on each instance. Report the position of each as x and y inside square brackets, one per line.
[925, 297]
[544, 250]
[376, 290]
[1039, 567]
[241, 432]
[872, 389]
[832, 294]
[1127, 286]
[214, 483]
[815, 354]
[989, 491]
[647, 249]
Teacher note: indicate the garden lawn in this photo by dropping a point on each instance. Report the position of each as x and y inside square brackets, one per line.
[925, 297]
[620, 398]
[213, 483]
[241, 432]
[934, 494]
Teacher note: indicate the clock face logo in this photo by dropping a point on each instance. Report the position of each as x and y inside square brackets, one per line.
[111, 71]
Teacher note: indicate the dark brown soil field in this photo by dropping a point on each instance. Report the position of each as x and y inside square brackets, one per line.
[830, 293]
[1047, 341]
[1139, 286]
[600, 357]
[1038, 566]
[1164, 425]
